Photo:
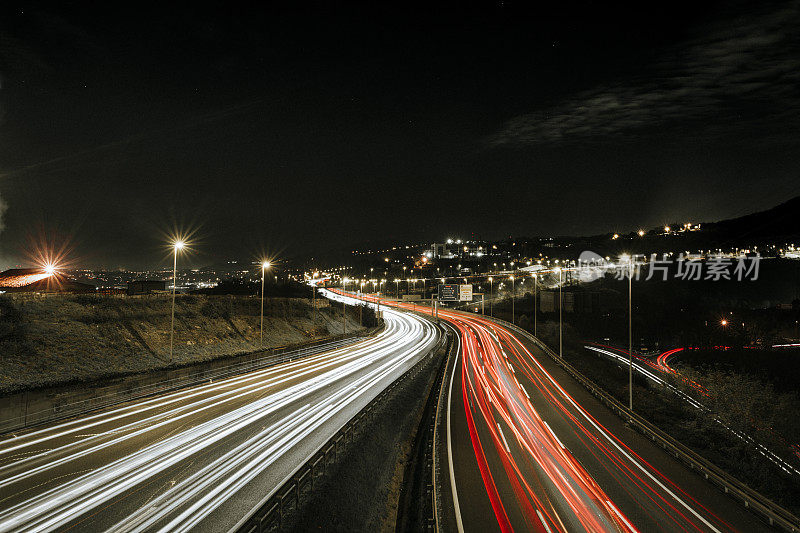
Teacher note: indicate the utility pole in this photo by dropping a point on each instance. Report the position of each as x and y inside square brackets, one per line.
[344, 317]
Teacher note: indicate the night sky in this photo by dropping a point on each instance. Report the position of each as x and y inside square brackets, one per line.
[286, 130]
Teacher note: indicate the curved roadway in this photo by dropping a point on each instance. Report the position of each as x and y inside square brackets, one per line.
[203, 457]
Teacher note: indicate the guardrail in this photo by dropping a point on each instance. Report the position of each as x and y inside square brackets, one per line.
[42, 406]
[771, 512]
[435, 468]
[270, 512]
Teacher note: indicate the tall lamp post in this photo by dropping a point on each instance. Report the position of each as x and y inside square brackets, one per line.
[177, 245]
[314, 306]
[513, 294]
[491, 297]
[560, 318]
[534, 305]
[264, 267]
[630, 333]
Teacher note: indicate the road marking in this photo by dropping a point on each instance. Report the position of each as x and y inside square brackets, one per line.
[505, 443]
[523, 390]
[621, 517]
[611, 441]
[553, 433]
[541, 518]
[459, 524]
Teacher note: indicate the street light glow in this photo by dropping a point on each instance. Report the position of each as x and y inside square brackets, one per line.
[265, 265]
[179, 245]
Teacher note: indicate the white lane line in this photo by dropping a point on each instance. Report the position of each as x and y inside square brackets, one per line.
[541, 518]
[553, 433]
[621, 517]
[505, 443]
[459, 524]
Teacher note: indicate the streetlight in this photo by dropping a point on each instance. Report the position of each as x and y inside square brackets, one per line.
[397, 288]
[630, 329]
[560, 318]
[264, 267]
[513, 293]
[491, 296]
[534, 304]
[177, 245]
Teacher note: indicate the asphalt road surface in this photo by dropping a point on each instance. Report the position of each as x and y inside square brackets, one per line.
[199, 458]
[529, 449]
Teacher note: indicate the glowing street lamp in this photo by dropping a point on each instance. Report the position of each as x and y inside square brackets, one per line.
[513, 294]
[534, 304]
[491, 296]
[629, 259]
[560, 318]
[176, 246]
[264, 267]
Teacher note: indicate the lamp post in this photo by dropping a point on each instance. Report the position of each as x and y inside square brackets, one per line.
[534, 305]
[397, 288]
[630, 333]
[491, 297]
[264, 267]
[513, 293]
[560, 318]
[178, 245]
[314, 306]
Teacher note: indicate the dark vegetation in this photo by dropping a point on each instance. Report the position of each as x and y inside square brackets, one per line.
[47, 340]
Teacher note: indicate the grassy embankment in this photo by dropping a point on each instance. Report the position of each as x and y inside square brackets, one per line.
[57, 339]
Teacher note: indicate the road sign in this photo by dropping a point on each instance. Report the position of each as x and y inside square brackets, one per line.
[465, 293]
[448, 292]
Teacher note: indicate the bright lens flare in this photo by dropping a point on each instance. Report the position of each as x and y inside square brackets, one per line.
[49, 269]
[179, 245]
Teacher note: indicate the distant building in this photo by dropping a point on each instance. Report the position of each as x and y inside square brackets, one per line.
[145, 287]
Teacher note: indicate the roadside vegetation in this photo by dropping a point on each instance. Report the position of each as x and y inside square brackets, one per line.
[48, 340]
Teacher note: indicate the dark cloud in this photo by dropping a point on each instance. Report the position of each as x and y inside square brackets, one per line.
[741, 76]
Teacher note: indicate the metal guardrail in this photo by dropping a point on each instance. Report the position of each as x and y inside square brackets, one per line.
[435, 468]
[277, 355]
[759, 504]
[270, 512]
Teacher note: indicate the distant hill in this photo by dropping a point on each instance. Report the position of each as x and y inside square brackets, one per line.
[37, 280]
[780, 221]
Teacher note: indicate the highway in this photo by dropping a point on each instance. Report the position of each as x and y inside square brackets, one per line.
[529, 449]
[202, 457]
[549, 457]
